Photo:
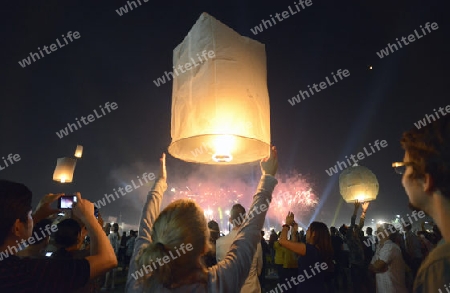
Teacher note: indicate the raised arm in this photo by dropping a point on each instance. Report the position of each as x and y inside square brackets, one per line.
[150, 213]
[259, 259]
[294, 232]
[297, 247]
[152, 206]
[102, 256]
[355, 211]
[364, 206]
[230, 274]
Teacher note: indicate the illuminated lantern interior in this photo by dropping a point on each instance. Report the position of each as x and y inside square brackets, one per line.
[79, 151]
[220, 105]
[64, 170]
[358, 183]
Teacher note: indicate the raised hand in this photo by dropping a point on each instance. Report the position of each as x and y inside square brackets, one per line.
[357, 205]
[44, 210]
[290, 218]
[162, 167]
[365, 206]
[83, 209]
[269, 165]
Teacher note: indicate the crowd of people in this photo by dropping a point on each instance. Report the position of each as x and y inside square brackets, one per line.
[357, 262]
[176, 250]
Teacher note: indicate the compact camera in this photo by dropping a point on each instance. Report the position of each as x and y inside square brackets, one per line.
[66, 201]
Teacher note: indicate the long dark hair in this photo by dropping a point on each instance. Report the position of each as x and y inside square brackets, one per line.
[322, 240]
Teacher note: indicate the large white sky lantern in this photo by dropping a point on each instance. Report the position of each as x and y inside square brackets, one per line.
[358, 183]
[64, 170]
[220, 101]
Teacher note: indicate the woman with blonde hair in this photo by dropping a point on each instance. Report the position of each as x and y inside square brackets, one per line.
[169, 249]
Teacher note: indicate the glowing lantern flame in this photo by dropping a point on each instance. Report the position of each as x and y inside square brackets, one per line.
[223, 146]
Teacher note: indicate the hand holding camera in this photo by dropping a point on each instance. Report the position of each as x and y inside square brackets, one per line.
[83, 209]
[44, 210]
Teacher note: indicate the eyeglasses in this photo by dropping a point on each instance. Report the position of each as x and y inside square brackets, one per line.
[400, 167]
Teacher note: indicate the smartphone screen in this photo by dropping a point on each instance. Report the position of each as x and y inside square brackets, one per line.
[66, 201]
[48, 254]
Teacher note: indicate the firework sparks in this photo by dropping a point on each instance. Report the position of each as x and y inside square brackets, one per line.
[293, 193]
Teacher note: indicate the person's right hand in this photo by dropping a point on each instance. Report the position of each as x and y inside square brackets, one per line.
[83, 209]
[365, 206]
[269, 165]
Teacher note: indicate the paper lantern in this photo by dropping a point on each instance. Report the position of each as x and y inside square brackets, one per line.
[79, 151]
[64, 170]
[220, 101]
[358, 183]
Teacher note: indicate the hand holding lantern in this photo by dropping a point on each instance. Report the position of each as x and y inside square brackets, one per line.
[365, 206]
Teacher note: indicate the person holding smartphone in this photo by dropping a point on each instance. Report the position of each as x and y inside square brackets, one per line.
[45, 275]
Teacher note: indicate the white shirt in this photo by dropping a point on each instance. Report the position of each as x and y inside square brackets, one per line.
[251, 285]
[115, 242]
[393, 280]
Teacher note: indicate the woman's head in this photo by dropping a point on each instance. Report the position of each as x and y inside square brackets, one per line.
[181, 224]
[319, 236]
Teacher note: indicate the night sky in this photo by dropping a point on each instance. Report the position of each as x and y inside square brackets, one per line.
[117, 58]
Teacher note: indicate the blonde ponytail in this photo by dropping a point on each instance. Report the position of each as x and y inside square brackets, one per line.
[180, 235]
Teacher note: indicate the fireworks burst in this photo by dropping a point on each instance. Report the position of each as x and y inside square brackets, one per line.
[293, 193]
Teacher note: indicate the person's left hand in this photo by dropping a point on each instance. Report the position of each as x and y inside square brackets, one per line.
[357, 205]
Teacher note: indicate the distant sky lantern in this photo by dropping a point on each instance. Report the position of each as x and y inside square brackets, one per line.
[79, 151]
[358, 183]
[64, 170]
[220, 101]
